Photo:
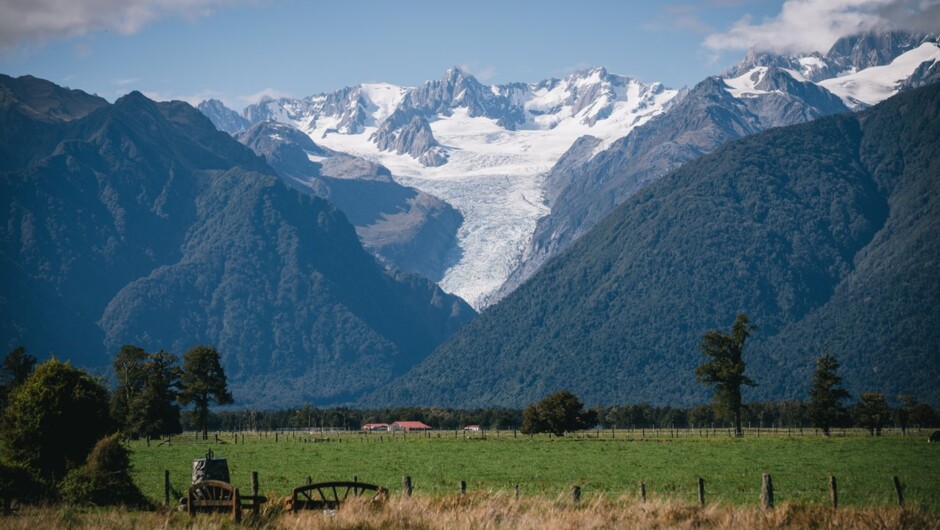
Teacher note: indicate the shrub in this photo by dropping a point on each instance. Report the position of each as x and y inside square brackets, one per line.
[105, 478]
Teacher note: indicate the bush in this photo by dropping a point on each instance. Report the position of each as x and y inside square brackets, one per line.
[54, 419]
[105, 478]
[17, 483]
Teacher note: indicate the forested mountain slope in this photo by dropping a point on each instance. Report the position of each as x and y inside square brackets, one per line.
[139, 222]
[827, 234]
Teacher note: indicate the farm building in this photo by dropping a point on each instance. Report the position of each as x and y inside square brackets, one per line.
[409, 426]
[375, 427]
[472, 428]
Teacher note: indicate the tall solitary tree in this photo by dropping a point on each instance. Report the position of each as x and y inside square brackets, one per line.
[825, 395]
[203, 381]
[724, 369]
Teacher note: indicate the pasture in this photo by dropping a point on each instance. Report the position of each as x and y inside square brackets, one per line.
[605, 464]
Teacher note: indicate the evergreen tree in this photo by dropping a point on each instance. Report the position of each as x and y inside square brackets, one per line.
[144, 403]
[17, 366]
[203, 381]
[129, 370]
[872, 412]
[724, 369]
[825, 395]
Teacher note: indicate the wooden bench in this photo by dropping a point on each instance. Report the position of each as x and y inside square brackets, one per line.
[330, 495]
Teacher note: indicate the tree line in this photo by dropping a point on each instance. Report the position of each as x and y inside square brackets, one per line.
[61, 428]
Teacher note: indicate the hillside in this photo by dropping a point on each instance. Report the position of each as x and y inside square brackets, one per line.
[825, 233]
[139, 222]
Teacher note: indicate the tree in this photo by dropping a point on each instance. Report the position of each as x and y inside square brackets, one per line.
[203, 381]
[825, 395]
[17, 366]
[872, 412]
[54, 419]
[129, 369]
[557, 413]
[144, 403]
[724, 369]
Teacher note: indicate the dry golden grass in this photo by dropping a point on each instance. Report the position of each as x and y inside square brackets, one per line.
[498, 511]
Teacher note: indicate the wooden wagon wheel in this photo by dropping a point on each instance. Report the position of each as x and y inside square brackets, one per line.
[330, 495]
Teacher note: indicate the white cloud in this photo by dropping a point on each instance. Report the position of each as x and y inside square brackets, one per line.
[273, 93]
[815, 25]
[483, 74]
[192, 99]
[24, 22]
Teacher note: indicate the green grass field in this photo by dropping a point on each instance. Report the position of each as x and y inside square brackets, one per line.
[545, 466]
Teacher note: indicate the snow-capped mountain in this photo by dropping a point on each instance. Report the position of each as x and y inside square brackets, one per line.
[224, 118]
[532, 166]
[483, 149]
[761, 92]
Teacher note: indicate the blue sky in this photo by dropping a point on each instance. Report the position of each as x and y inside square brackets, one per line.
[238, 50]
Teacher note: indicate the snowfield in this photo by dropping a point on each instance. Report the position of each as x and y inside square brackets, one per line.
[873, 85]
[495, 176]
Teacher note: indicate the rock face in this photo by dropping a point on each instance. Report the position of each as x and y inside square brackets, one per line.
[414, 138]
[403, 227]
[224, 118]
[139, 222]
[823, 233]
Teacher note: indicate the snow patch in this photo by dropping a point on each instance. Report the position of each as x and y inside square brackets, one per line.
[873, 85]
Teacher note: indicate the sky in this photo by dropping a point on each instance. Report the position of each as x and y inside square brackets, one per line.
[241, 50]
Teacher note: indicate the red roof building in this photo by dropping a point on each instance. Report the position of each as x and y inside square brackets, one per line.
[375, 427]
[409, 426]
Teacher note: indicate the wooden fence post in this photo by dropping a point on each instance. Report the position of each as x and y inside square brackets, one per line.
[463, 487]
[575, 494]
[833, 491]
[406, 485]
[701, 492]
[899, 490]
[517, 492]
[767, 492]
[166, 487]
[643, 491]
[254, 483]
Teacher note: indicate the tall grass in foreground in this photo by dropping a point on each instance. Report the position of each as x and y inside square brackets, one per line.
[500, 511]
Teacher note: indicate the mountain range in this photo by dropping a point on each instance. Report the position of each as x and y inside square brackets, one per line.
[139, 222]
[605, 223]
[531, 167]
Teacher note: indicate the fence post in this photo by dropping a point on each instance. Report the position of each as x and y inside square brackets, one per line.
[463, 487]
[833, 491]
[166, 487]
[643, 491]
[575, 494]
[701, 492]
[254, 483]
[899, 490]
[767, 492]
[406, 485]
[517, 492]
